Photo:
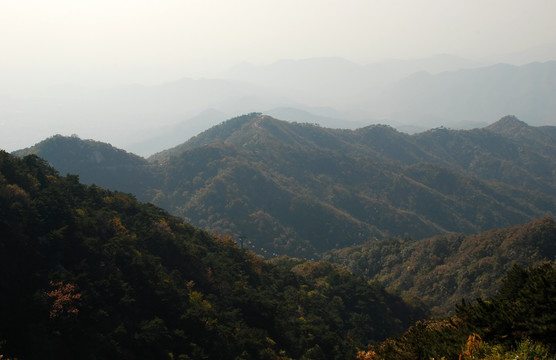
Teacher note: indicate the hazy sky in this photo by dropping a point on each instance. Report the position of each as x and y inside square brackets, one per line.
[47, 46]
[160, 40]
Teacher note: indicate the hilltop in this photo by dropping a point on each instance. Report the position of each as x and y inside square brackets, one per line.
[96, 163]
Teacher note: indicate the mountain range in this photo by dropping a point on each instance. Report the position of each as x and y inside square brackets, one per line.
[301, 189]
[411, 96]
[479, 94]
[92, 273]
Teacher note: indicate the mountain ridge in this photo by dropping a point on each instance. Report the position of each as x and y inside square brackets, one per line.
[479, 94]
[301, 189]
[96, 163]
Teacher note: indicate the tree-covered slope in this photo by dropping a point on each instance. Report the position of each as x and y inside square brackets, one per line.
[508, 151]
[518, 322]
[300, 189]
[442, 270]
[93, 274]
[96, 163]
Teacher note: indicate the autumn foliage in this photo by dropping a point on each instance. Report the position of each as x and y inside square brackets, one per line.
[64, 299]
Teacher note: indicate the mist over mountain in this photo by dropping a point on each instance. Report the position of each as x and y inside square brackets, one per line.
[473, 95]
[327, 119]
[278, 180]
[412, 96]
[538, 53]
[174, 134]
[337, 80]
[127, 114]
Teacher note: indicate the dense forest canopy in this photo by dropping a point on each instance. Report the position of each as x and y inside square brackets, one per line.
[442, 270]
[519, 322]
[94, 274]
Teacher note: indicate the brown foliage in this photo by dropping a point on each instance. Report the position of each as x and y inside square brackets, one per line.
[65, 300]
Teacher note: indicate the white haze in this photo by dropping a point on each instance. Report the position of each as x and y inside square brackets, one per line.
[127, 72]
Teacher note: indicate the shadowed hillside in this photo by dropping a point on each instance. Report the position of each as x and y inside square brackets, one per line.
[92, 274]
[96, 163]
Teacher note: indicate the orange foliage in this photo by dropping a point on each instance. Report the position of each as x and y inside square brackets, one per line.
[366, 355]
[117, 226]
[255, 262]
[474, 342]
[224, 239]
[18, 194]
[64, 299]
[163, 227]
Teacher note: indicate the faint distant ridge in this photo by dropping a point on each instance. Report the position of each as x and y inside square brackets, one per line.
[478, 94]
[330, 120]
[542, 53]
[409, 95]
[172, 135]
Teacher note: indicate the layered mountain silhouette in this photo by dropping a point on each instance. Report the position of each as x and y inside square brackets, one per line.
[300, 189]
[479, 94]
[410, 95]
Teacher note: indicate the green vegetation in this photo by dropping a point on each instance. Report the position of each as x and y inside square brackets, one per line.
[442, 270]
[300, 189]
[92, 274]
[517, 323]
[97, 163]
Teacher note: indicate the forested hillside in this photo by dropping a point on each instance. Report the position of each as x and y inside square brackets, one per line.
[519, 322]
[97, 163]
[92, 274]
[443, 270]
[300, 189]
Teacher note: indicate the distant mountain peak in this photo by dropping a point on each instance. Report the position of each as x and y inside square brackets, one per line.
[508, 123]
[77, 149]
